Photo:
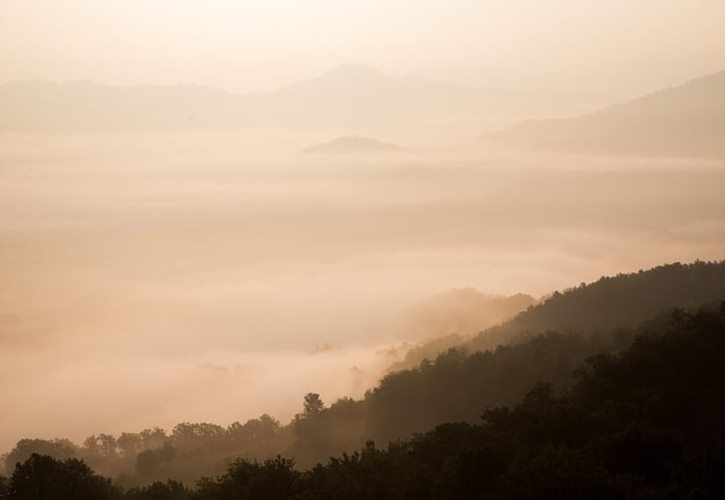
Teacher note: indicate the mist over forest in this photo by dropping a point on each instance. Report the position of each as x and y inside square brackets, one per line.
[373, 250]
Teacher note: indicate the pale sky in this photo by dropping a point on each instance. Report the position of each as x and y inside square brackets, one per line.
[243, 45]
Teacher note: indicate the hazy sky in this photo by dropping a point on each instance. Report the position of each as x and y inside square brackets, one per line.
[243, 45]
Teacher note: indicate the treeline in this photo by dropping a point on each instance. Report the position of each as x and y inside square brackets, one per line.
[189, 451]
[643, 424]
[455, 387]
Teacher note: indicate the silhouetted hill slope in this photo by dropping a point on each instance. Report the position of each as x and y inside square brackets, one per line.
[621, 301]
[683, 121]
[353, 144]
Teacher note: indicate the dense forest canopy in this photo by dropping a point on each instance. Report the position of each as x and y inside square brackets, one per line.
[624, 300]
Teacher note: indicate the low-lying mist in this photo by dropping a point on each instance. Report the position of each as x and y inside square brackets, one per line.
[150, 279]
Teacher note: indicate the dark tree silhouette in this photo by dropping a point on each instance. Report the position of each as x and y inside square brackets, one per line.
[169, 490]
[313, 405]
[45, 478]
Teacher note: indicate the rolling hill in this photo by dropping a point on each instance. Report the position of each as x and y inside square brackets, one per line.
[688, 121]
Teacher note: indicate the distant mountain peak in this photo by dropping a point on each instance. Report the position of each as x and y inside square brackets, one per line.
[353, 70]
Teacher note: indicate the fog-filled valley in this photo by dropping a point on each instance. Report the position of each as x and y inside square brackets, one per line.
[196, 264]
[362, 250]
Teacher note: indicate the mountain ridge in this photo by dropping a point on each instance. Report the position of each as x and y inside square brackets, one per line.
[683, 120]
[349, 96]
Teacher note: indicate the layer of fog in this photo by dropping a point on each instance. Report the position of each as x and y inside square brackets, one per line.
[153, 279]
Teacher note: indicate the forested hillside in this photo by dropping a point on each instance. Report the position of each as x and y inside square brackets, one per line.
[544, 344]
[646, 423]
[621, 301]
[624, 300]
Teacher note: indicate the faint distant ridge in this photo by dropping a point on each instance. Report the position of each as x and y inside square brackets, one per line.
[348, 97]
[83, 106]
[347, 77]
[687, 121]
[353, 144]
